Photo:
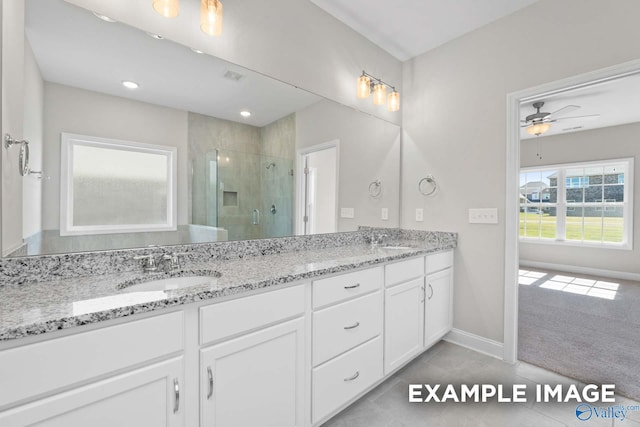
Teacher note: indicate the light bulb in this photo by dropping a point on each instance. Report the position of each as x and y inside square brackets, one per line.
[379, 94]
[211, 17]
[166, 8]
[364, 86]
[538, 128]
[393, 102]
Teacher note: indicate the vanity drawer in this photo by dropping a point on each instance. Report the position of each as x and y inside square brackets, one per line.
[342, 379]
[62, 362]
[439, 261]
[345, 286]
[218, 321]
[338, 328]
[402, 271]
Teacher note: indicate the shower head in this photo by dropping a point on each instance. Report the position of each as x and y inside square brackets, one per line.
[270, 165]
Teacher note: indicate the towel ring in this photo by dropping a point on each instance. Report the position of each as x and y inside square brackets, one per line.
[431, 180]
[375, 188]
[23, 159]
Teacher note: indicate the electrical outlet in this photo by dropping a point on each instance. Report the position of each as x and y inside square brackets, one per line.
[385, 214]
[419, 214]
[483, 216]
[347, 213]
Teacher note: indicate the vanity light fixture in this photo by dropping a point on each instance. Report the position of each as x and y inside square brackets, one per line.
[166, 8]
[130, 85]
[245, 113]
[211, 17]
[538, 129]
[367, 84]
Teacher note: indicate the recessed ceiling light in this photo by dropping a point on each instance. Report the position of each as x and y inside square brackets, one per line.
[197, 50]
[155, 36]
[245, 113]
[104, 17]
[130, 85]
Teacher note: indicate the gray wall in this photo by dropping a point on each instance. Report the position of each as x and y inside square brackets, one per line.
[454, 120]
[369, 150]
[74, 110]
[598, 144]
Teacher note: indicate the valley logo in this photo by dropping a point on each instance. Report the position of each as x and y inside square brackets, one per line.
[585, 412]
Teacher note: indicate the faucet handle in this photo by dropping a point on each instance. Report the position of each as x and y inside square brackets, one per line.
[148, 263]
[174, 259]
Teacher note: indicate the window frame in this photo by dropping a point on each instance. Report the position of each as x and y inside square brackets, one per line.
[69, 141]
[562, 205]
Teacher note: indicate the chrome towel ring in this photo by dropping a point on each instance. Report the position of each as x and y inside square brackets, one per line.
[429, 179]
[375, 188]
[23, 159]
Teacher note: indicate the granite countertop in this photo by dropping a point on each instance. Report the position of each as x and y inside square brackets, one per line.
[41, 307]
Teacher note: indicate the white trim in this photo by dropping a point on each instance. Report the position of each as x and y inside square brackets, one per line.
[610, 274]
[512, 212]
[69, 140]
[476, 343]
[299, 205]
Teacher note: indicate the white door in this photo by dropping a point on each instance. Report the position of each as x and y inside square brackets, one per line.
[404, 321]
[438, 308]
[149, 396]
[318, 204]
[256, 379]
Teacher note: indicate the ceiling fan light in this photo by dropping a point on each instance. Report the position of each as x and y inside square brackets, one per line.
[211, 17]
[364, 86]
[379, 94]
[166, 8]
[538, 128]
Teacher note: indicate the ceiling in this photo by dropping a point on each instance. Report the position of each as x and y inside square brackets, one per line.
[408, 28]
[74, 48]
[617, 102]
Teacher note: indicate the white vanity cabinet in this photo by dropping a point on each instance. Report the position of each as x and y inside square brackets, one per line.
[113, 376]
[438, 319]
[254, 374]
[347, 325]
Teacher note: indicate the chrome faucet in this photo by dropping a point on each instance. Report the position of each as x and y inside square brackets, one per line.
[148, 263]
[377, 239]
[172, 261]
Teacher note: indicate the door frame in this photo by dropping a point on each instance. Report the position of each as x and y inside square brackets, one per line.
[512, 219]
[299, 205]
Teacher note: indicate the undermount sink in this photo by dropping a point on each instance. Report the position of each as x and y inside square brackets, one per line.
[170, 281]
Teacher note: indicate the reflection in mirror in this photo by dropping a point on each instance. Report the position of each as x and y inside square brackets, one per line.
[237, 176]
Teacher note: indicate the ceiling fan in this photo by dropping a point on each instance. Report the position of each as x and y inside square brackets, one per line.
[539, 122]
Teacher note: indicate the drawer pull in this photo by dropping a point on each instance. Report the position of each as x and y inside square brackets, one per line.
[355, 325]
[210, 375]
[176, 393]
[431, 287]
[356, 375]
[357, 285]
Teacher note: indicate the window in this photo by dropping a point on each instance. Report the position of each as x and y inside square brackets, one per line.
[582, 203]
[112, 186]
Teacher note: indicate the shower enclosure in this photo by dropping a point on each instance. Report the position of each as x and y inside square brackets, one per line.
[249, 195]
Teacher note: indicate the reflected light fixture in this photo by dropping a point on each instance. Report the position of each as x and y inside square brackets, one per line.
[367, 84]
[166, 8]
[538, 129]
[105, 18]
[211, 17]
[245, 113]
[130, 85]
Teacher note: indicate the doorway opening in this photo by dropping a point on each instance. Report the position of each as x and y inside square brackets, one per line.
[317, 211]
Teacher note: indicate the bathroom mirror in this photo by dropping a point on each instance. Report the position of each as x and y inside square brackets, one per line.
[118, 90]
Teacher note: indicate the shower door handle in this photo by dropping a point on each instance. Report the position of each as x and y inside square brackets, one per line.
[256, 217]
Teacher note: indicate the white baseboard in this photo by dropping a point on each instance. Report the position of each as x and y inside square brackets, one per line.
[476, 343]
[610, 274]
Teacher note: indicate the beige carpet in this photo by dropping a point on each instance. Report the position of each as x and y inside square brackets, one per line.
[583, 327]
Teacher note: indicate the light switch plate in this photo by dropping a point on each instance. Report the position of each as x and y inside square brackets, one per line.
[347, 213]
[419, 214]
[384, 214]
[483, 216]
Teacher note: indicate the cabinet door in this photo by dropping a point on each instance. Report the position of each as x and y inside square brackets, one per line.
[256, 379]
[148, 396]
[404, 321]
[438, 307]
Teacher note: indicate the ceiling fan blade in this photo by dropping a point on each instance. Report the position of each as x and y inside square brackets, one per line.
[564, 110]
[590, 116]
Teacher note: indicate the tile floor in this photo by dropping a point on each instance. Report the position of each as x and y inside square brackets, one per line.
[387, 405]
